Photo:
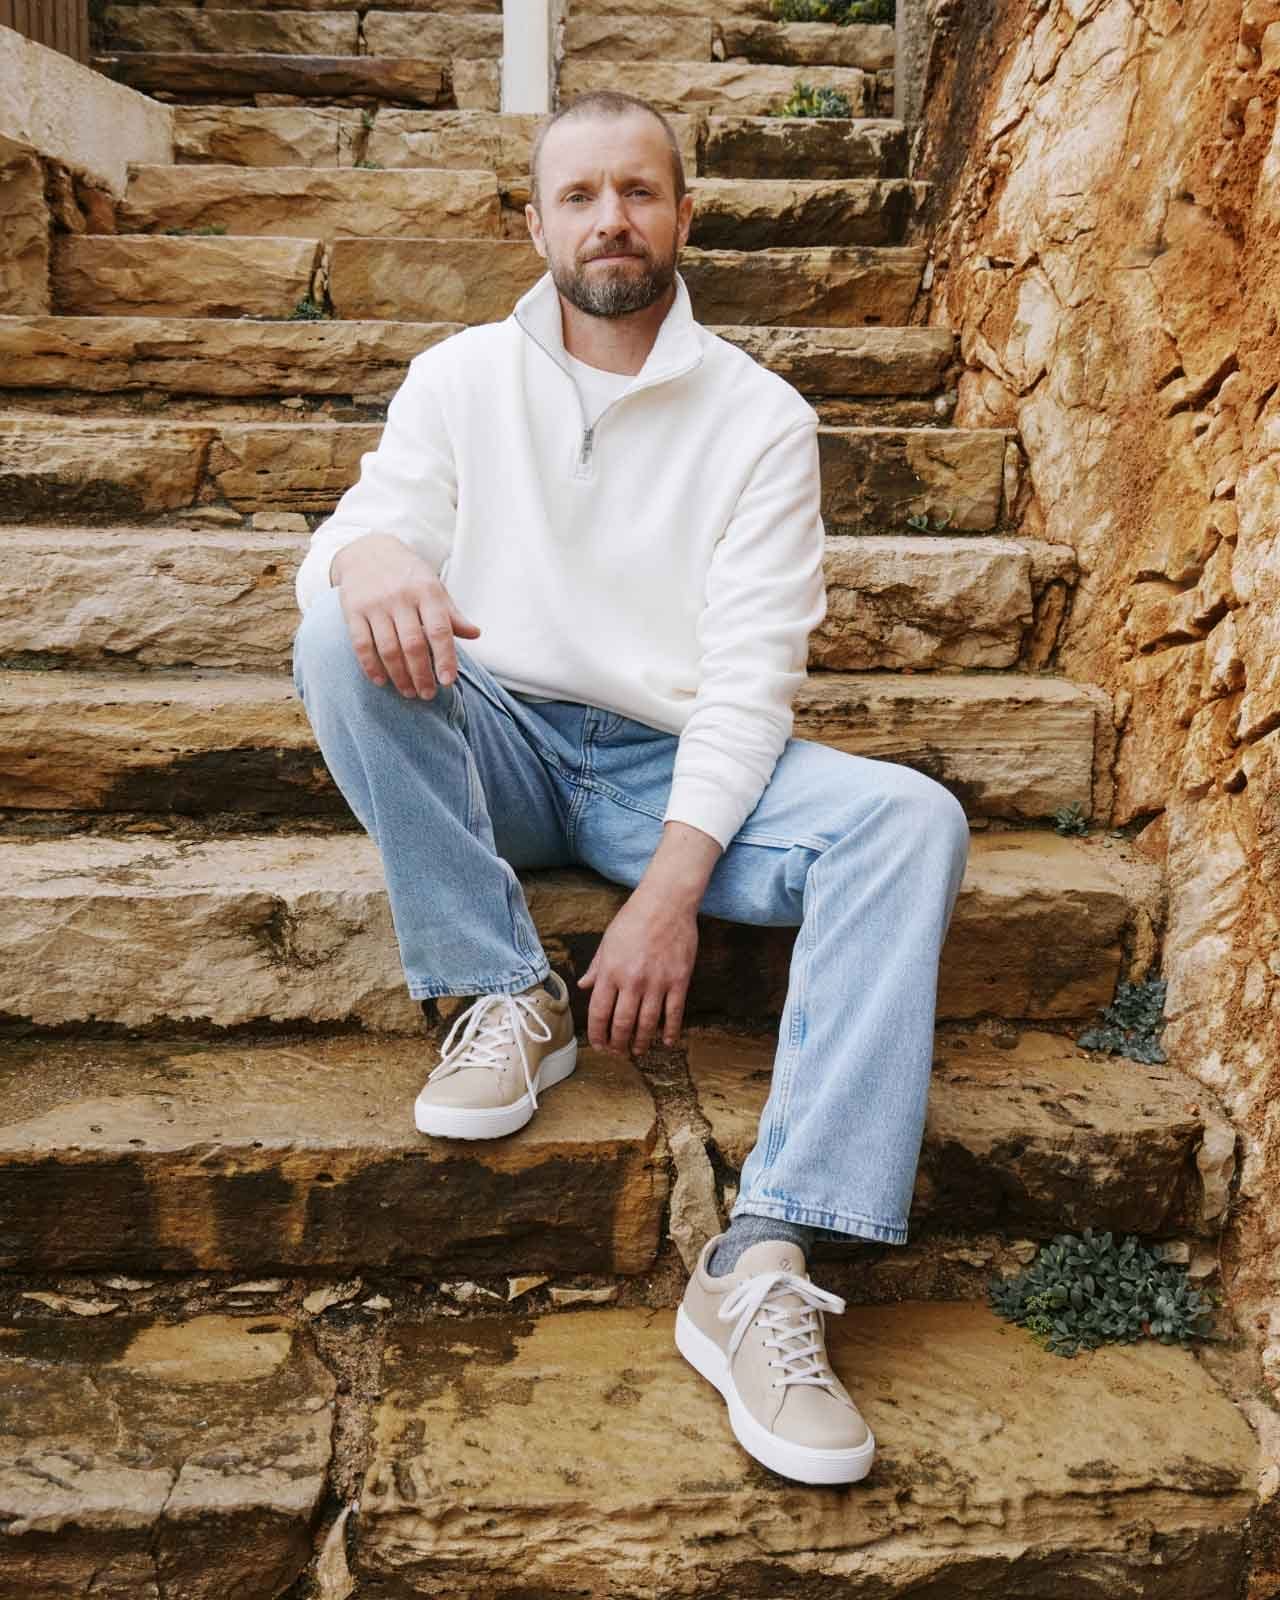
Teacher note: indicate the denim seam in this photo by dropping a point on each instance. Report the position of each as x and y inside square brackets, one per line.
[814, 1217]
[773, 841]
[785, 1068]
[429, 989]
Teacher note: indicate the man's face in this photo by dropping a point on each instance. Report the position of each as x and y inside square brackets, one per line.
[609, 228]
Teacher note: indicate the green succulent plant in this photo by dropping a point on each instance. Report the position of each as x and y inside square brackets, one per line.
[1082, 1291]
[1131, 1023]
[1070, 819]
[807, 101]
[307, 310]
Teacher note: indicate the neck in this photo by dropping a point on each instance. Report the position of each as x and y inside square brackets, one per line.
[617, 344]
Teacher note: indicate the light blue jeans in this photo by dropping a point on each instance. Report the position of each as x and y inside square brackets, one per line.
[865, 857]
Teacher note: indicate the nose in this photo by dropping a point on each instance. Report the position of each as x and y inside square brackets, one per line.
[612, 214]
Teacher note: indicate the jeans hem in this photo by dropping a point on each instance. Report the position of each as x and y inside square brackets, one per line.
[832, 1221]
[428, 989]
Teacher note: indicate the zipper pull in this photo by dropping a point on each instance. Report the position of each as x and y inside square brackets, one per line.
[588, 440]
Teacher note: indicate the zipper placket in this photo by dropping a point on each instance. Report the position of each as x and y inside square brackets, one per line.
[587, 447]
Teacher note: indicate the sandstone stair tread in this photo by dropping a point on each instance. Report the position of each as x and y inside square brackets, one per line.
[721, 87]
[270, 928]
[1030, 1134]
[873, 479]
[213, 77]
[1081, 1458]
[256, 1158]
[631, 34]
[131, 1447]
[235, 357]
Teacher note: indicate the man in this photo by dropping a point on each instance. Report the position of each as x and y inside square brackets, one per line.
[626, 509]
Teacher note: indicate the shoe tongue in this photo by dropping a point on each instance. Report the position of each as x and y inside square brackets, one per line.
[771, 1255]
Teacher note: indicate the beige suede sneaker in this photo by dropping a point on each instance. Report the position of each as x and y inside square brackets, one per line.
[501, 1051]
[757, 1334]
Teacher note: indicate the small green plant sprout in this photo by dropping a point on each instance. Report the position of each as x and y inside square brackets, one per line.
[366, 119]
[307, 310]
[807, 101]
[1082, 1291]
[211, 230]
[838, 11]
[1131, 1023]
[369, 166]
[1071, 819]
[919, 520]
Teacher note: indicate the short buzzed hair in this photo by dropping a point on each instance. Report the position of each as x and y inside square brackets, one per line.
[606, 103]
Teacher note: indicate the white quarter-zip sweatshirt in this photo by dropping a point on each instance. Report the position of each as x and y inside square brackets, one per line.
[663, 560]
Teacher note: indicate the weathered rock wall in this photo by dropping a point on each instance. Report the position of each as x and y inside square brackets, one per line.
[1106, 224]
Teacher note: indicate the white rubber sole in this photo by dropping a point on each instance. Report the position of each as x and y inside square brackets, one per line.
[802, 1462]
[492, 1122]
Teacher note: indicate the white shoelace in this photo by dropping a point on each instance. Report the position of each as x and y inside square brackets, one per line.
[487, 1030]
[798, 1329]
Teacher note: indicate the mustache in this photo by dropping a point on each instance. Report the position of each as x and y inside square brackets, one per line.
[640, 255]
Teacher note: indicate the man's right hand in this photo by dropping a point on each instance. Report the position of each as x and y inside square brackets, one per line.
[400, 616]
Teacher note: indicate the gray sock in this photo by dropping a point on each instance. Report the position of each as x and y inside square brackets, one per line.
[748, 1230]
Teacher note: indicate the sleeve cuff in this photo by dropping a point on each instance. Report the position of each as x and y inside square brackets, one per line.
[709, 806]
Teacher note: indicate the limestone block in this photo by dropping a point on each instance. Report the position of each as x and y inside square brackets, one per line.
[1144, 1436]
[476, 140]
[138, 276]
[268, 136]
[902, 602]
[795, 147]
[877, 477]
[632, 36]
[313, 203]
[850, 361]
[111, 470]
[279, 466]
[657, 9]
[24, 239]
[1044, 1138]
[142, 1456]
[213, 356]
[151, 1157]
[430, 280]
[477, 85]
[432, 37]
[153, 27]
[810, 44]
[713, 86]
[468, 7]
[754, 213]
[160, 598]
[322, 78]
[831, 287]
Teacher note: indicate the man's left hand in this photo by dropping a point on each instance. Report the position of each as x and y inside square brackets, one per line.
[640, 970]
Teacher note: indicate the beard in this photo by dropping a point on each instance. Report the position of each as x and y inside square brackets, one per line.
[617, 288]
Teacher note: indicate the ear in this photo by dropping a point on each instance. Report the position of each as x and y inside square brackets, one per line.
[684, 218]
[534, 224]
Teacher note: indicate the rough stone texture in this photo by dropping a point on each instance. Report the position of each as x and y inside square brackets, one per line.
[147, 1157]
[51, 107]
[502, 1429]
[211, 356]
[805, 44]
[800, 147]
[304, 33]
[755, 213]
[847, 361]
[1108, 183]
[183, 73]
[676, 8]
[138, 1458]
[625, 35]
[308, 203]
[474, 140]
[108, 275]
[922, 602]
[878, 477]
[1007, 747]
[161, 598]
[479, 282]
[477, 85]
[715, 86]
[1040, 1137]
[267, 136]
[24, 238]
[109, 470]
[298, 928]
[439, 37]
[467, 7]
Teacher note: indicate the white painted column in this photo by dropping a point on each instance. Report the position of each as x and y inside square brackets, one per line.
[527, 55]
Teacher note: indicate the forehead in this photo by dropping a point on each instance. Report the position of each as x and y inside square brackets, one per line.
[578, 147]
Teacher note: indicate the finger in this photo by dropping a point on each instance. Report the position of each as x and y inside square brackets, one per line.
[440, 637]
[413, 644]
[600, 1013]
[676, 996]
[624, 1018]
[388, 643]
[461, 624]
[365, 649]
[648, 1020]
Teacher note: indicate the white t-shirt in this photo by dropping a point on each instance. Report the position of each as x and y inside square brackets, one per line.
[599, 388]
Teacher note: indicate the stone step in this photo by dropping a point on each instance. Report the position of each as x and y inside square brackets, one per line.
[712, 86]
[178, 597]
[628, 35]
[161, 1155]
[443, 36]
[197, 77]
[448, 281]
[137, 1457]
[274, 928]
[113, 470]
[460, 281]
[273, 136]
[766, 213]
[1144, 1489]
[1008, 746]
[304, 202]
[1028, 1135]
[807, 44]
[236, 357]
[465, 7]
[170, 27]
[819, 147]
[675, 8]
